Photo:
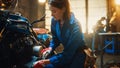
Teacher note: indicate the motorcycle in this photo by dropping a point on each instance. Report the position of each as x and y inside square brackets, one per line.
[19, 44]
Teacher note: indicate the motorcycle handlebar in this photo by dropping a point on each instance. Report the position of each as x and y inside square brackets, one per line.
[41, 19]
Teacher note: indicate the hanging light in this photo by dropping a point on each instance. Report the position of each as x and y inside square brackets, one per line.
[42, 1]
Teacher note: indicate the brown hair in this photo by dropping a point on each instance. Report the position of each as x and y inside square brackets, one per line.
[61, 4]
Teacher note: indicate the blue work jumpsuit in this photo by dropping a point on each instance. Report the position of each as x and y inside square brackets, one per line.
[72, 39]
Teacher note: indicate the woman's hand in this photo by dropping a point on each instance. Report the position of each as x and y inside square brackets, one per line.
[41, 63]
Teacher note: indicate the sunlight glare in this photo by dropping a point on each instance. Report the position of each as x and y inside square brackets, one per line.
[117, 2]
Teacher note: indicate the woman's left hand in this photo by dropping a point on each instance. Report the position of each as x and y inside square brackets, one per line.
[41, 63]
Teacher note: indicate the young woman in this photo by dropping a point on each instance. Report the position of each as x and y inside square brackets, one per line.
[66, 30]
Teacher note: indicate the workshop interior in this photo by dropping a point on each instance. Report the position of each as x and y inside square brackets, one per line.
[25, 29]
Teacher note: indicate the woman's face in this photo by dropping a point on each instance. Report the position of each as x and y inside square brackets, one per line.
[57, 13]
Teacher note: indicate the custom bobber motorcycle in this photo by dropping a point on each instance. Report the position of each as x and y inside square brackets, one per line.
[18, 41]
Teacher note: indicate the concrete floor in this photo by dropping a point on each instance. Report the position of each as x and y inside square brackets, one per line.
[109, 60]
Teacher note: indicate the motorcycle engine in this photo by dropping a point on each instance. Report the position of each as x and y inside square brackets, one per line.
[16, 46]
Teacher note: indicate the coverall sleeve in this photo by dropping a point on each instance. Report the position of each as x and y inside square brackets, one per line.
[54, 42]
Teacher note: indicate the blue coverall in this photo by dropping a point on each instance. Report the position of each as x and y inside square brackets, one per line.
[72, 38]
